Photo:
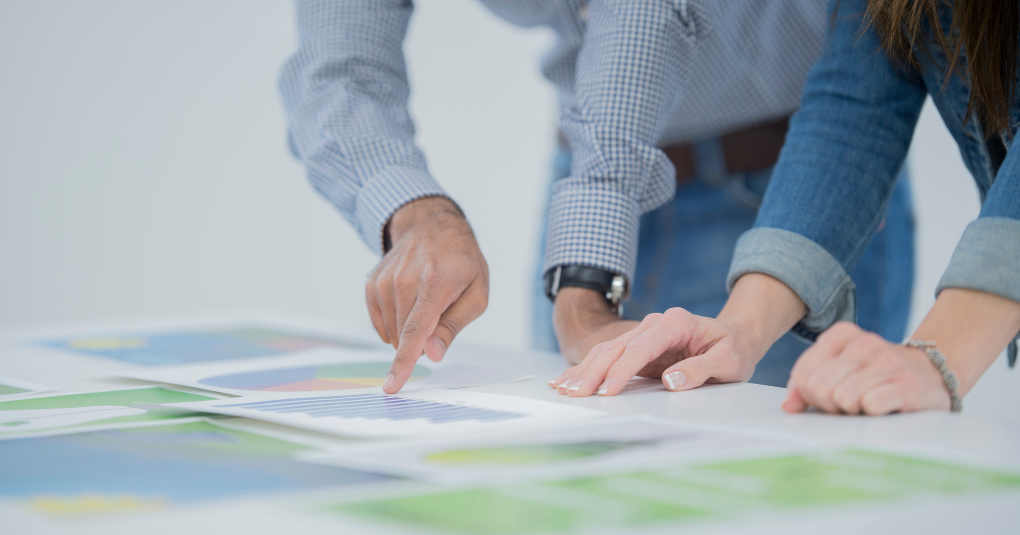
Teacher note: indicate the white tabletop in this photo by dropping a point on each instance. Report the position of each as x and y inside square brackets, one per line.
[987, 433]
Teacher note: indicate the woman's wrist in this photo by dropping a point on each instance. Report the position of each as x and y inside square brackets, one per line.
[971, 328]
[762, 309]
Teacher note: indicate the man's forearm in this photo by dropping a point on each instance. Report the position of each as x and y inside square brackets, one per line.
[762, 309]
[971, 328]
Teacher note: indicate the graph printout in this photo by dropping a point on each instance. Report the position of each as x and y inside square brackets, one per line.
[587, 447]
[670, 497]
[153, 467]
[72, 413]
[243, 341]
[320, 370]
[381, 415]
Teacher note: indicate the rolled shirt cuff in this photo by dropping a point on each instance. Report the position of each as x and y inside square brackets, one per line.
[987, 259]
[384, 194]
[593, 227]
[803, 265]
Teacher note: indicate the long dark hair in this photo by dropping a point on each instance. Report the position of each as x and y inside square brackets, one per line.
[985, 31]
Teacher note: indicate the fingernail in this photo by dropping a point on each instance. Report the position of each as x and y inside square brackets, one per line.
[440, 346]
[564, 384]
[604, 389]
[576, 385]
[389, 381]
[552, 384]
[676, 379]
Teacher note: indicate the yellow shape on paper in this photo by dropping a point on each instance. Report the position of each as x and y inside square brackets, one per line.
[94, 344]
[94, 503]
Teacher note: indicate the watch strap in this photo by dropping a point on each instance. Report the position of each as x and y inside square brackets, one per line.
[607, 283]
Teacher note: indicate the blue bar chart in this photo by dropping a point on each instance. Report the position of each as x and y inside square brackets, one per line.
[377, 407]
[375, 415]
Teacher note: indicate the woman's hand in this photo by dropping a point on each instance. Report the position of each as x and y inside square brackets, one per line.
[851, 371]
[685, 350]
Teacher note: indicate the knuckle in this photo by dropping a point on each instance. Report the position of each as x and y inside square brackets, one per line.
[403, 283]
[869, 407]
[636, 344]
[652, 318]
[412, 326]
[677, 314]
[450, 324]
[845, 402]
[814, 385]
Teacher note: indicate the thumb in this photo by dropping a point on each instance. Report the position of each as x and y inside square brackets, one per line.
[794, 403]
[690, 372]
[463, 311]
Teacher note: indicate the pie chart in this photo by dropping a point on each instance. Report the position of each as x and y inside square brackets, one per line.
[345, 376]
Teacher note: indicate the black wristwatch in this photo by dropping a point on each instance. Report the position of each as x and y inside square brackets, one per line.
[607, 283]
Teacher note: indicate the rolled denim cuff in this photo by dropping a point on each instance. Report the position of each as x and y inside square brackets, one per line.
[803, 265]
[384, 194]
[593, 227]
[987, 259]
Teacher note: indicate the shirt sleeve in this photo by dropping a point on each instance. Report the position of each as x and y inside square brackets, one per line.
[345, 91]
[636, 53]
[836, 172]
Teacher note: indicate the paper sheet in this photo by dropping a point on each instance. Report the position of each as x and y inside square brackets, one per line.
[82, 411]
[672, 497]
[12, 388]
[154, 348]
[341, 371]
[142, 468]
[372, 415]
[582, 448]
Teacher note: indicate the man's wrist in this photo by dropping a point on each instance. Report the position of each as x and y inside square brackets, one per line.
[579, 310]
[433, 207]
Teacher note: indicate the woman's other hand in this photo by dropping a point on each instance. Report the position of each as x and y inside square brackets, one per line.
[852, 371]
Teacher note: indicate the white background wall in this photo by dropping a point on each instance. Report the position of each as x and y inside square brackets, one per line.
[144, 170]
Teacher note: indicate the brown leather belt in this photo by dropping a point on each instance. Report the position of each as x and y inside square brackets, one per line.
[750, 149]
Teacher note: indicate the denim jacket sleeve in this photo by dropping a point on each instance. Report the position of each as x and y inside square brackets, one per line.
[836, 172]
[346, 93]
[987, 258]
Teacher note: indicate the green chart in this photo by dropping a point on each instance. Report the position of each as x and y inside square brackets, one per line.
[529, 455]
[700, 492]
[77, 412]
[6, 390]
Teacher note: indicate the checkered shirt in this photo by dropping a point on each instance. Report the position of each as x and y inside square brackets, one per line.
[631, 75]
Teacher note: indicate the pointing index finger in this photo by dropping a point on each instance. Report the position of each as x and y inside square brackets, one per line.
[421, 323]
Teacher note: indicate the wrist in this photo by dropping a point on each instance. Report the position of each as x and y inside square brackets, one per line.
[761, 309]
[424, 209]
[971, 328]
[577, 311]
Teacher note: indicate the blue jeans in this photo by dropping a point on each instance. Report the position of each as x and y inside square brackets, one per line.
[685, 248]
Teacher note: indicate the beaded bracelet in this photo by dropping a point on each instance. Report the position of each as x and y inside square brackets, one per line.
[948, 377]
